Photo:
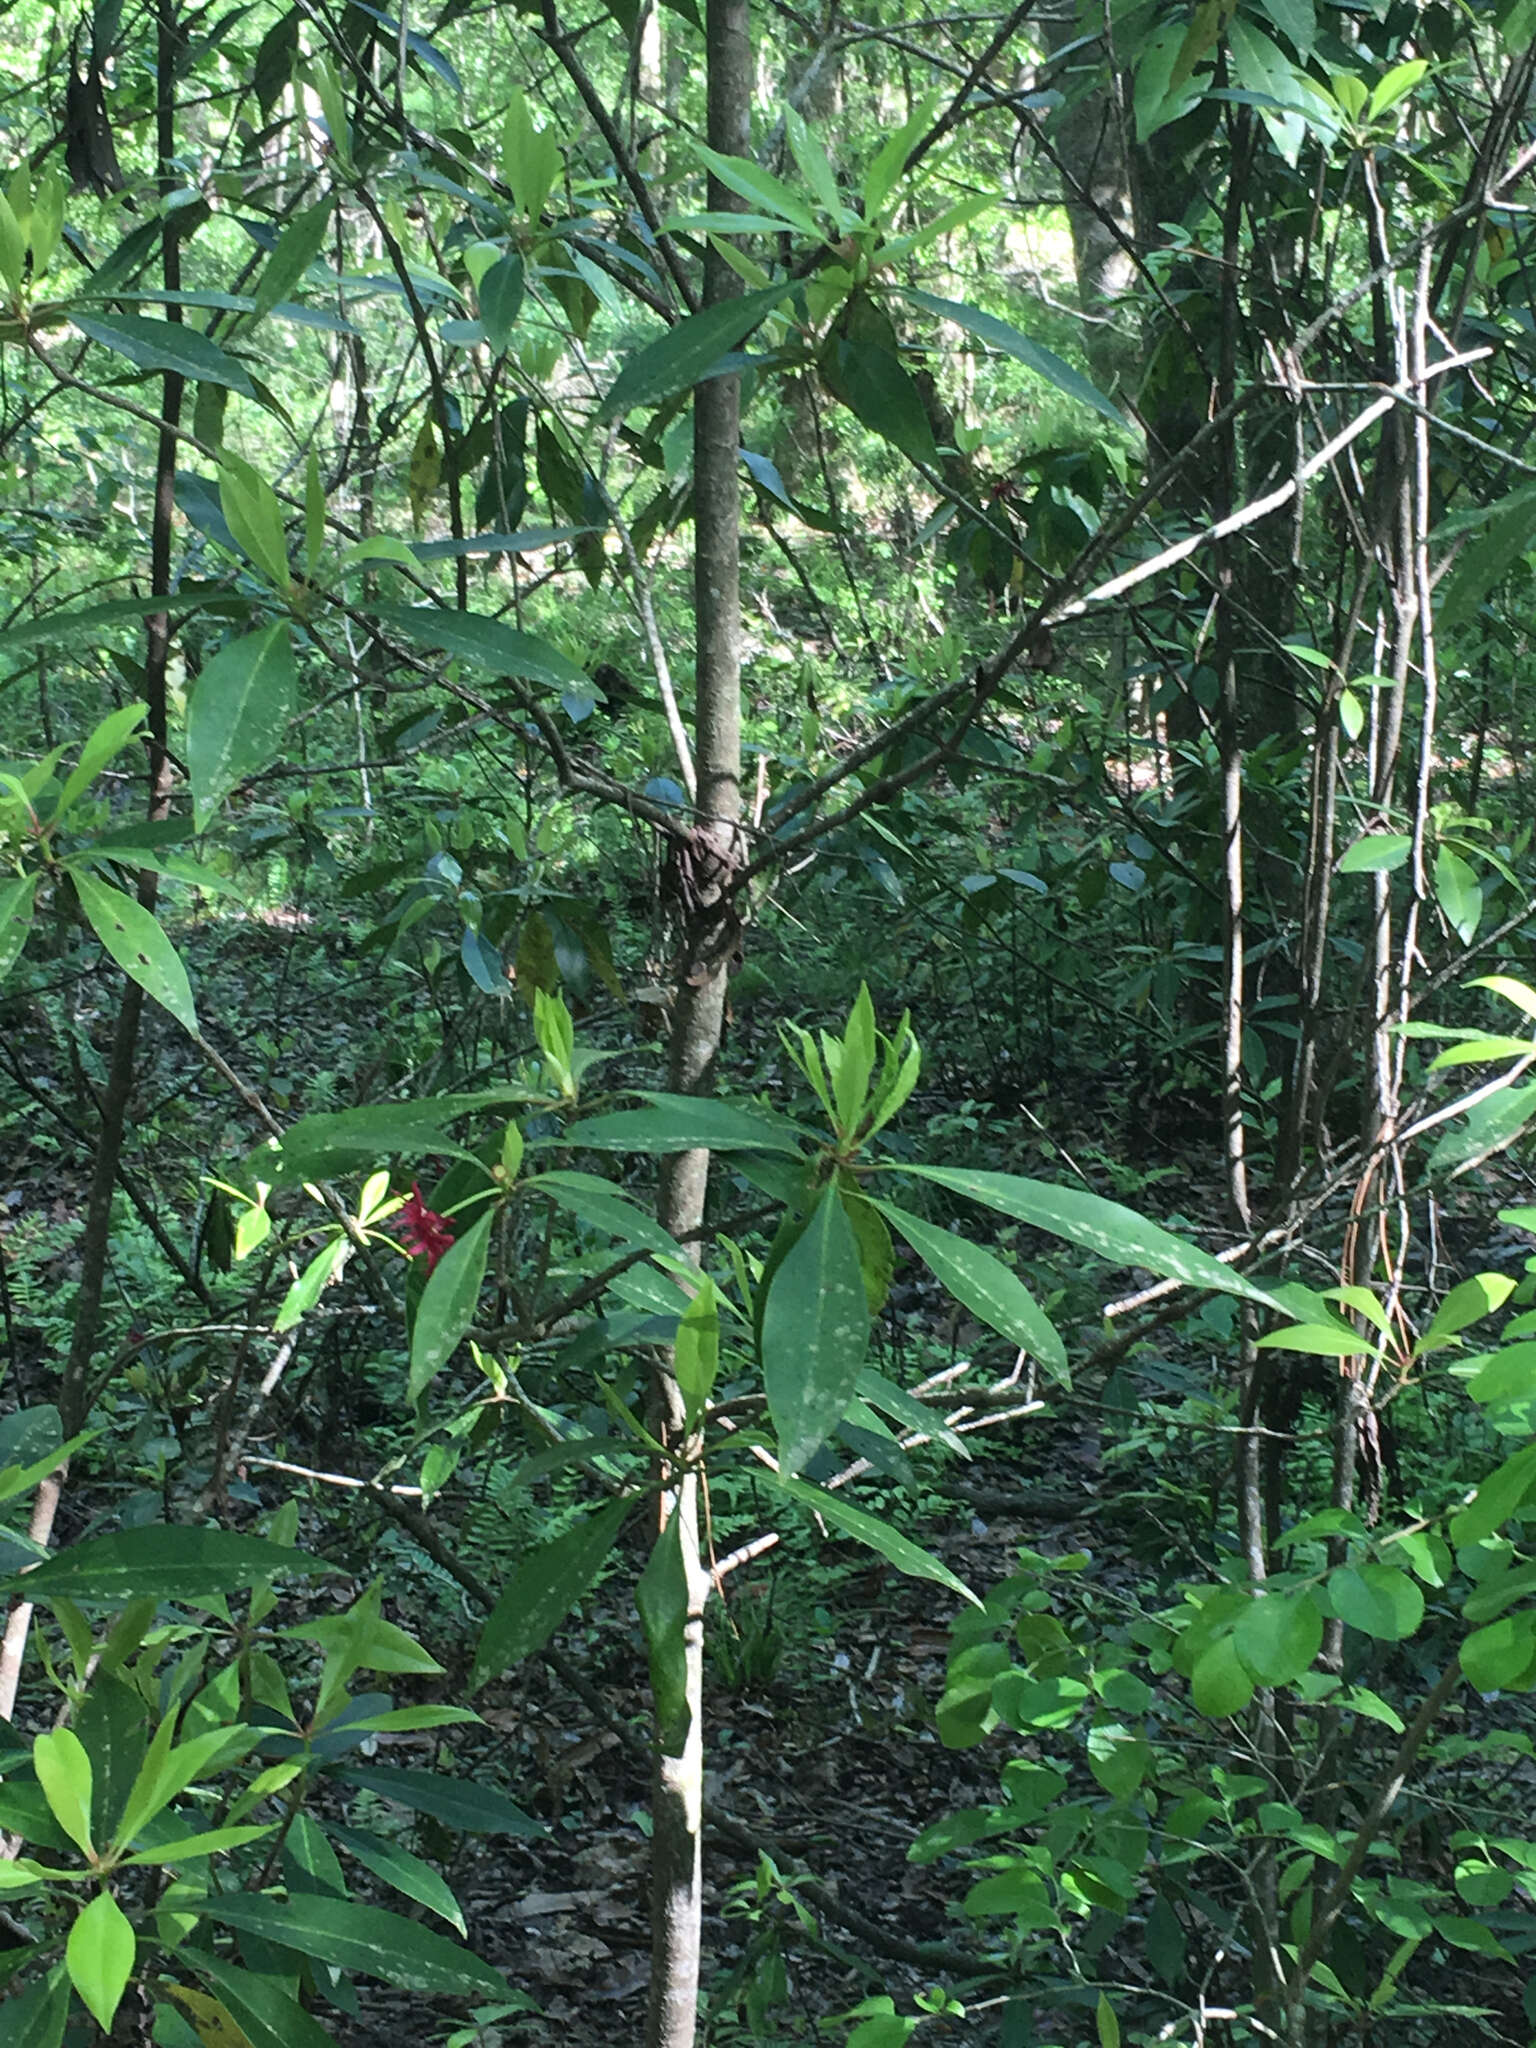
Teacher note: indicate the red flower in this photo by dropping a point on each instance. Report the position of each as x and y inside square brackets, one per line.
[423, 1231]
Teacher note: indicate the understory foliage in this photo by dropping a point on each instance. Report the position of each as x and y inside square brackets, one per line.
[764, 775]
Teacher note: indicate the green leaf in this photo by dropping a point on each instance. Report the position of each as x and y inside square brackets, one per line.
[16, 900]
[264, 2011]
[749, 181]
[190, 1848]
[543, 1589]
[165, 345]
[104, 744]
[1116, 1234]
[604, 1206]
[240, 711]
[696, 1350]
[307, 1289]
[999, 335]
[500, 293]
[64, 1772]
[1464, 1305]
[815, 1332]
[99, 1956]
[871, 382]
[989, 1289]
[1377, 1599]
[661, 1597]
[254, 517]
[1220, 1683]
[1395, 86]
[1502, 1656]
[687, 352]
[1316, 1340]
[686, 1123]
[403, 1872]
[1489, 1127]
[1459, 894]
[318, 1146]
[471, 636]
[1376, 853]
[37, 2017]
[1277, 1636]
[136, 941]
[161, 1562]
[1105, 2023]
[908, 1557]
[1488, 557]
[447, 1306]
[1499, 1497]
[471, 1807]
[301, 241]
[354, 1937]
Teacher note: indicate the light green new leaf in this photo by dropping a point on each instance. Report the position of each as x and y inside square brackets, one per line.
[307, 1289]
[104, 744]
[684, 355]
[999, 335]
[748, 180]
[1376, 853]
[1501, 1494]
[16, 901]
[254, 517]
[1466, 1304]
[134, 938]
[1502, 1657]
[908, 1557]
[240, 710]
[815, 1332]
[989, 1289]
[99, 1956]
[447, 1306]
[354, 1937]
[1220, 1684]
[1109, 1230]
[696, 1350]
[165, 345]
[64, 1772]
[544, 1587]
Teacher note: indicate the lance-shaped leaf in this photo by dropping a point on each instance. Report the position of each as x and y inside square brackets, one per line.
[134, 938]
[16, 901]
[908, 1557]
[1043, 361]
[499, 649]
[661, 1595]
[980, 1281]
[686, 1123]
[687, 352]
[447, 1306]
[367, 1938]
[167, 345]
[240, 709]
[263, 2010]
[815, 1332]
[543, 1588]
[1108, 1229]
[298, 245]
[159, 1562]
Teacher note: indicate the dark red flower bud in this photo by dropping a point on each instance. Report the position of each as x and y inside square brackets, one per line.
[423, 1232]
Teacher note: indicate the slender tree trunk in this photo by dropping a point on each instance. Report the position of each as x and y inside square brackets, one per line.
[702, 891]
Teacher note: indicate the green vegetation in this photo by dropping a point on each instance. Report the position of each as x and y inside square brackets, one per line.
[765, 1013]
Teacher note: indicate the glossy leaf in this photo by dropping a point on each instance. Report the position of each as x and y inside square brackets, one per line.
[687, 352]
[1220, 1684]
[542, 1590]
[986, 327]
[815, 1332]
[1466, 1304]
[447, 1306]
[37, 2017]
[1502, 1656]
[402, 1872]
[262, 2008]
[254, 517]
[161, 1562]
[165, 345]
[1115, 1234]
[1459, 894]
[982, 1283]
[307, 1288]
[908, 1557]
[104, 745]
[696, 1350]
[298, 246]
[1377, 853]
[365, 1938]
[499, 649]
[462, 1803]
[686, 1123]
[99, 1956]
[1501, 1494]
[240, 711]
[136, 941]
[64, 1772]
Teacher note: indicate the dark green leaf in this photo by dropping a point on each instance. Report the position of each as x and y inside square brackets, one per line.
[403, 1872]
[988, 1288]
[165, 345]
[815, 1332]
[137, 942]
[354, 1937]
[258, 2004]
[685, 1123]
[472, 1808]
[908, 1557]
[543, 1588]
[686, 353]
[448, 1304]
[661, 1595]
[499, 649]
[162, 1562]
[998, 334]
[240, 710]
